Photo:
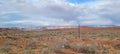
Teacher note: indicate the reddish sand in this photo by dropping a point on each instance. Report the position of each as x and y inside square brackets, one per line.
[85, 28]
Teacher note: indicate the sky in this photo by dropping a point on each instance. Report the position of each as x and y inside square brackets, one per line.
[18, 13]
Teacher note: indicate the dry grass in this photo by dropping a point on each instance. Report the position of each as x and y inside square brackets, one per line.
[60, 42]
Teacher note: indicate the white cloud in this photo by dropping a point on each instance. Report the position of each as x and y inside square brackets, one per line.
[38, 23]
[97, 22]
[62, 12]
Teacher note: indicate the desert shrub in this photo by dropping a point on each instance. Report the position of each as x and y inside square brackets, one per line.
[117, 46]
[27, 52]
[26, 36]
[12, 37]
[0, 34]
[70, 33]
[5, 49]
[91, 49]
[84, 49]
[106, 49]
[45, 51]
[32, 45]
[59, 52]
[10, 44]
[57, 47]
[60, 45]
[5, 34]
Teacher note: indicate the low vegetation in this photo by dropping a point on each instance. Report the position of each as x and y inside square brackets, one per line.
[60, 42]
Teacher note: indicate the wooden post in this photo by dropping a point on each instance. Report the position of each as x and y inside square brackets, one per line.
[79, 30]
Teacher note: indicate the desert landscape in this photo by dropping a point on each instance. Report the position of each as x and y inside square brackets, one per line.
[59, 26]
[90, 40]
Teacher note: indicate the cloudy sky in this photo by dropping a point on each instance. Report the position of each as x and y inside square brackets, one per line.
[59, 12]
